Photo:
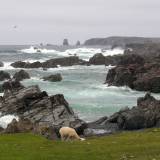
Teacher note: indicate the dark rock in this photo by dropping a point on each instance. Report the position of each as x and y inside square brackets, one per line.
[21, 75]
[65, 61]
[52, 63]
[121, 76]
[97, 59]
[10, 86]
[19, 64]
[139, 75]
[1, 64]
[4, 75]
[1, 89]
[128, 59]
[34, 65]
[53, 78]
[145, 115]
[65, 42]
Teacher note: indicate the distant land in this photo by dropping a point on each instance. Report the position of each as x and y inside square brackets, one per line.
[119, 41]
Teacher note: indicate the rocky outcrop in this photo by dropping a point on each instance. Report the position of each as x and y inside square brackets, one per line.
[21, 75]
[125, 59]
[97, 59]
[136, 72]
[65, 61]
[20, 64]
[30, 103]
[53, 78]
[145, 115]
[65, 42]
[4, 76]
[52, 63]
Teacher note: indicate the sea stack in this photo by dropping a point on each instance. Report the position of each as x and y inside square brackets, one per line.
[65, 42]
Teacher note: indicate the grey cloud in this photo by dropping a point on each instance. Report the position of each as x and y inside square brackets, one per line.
[52, 20]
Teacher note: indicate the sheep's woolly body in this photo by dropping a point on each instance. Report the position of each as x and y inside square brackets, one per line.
[68, 133]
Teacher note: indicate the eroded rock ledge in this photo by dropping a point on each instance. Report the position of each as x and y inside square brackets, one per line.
[33, 104]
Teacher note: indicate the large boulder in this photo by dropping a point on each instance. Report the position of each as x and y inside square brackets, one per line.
[53, 78]
[139, 77]
[97, 59]
[30, 103]
[21, 75]
[4, 76]
[20, 64]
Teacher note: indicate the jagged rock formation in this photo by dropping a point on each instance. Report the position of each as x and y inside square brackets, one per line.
[30, 103]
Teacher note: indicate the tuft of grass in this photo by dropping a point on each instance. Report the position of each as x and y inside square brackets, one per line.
[137, 145]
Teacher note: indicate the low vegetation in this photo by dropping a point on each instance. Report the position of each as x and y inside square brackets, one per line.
[138, 145]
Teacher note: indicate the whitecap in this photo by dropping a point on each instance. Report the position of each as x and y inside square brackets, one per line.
[7, 66]
[37, 50]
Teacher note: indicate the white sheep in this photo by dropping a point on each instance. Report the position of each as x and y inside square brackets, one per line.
[68, 133]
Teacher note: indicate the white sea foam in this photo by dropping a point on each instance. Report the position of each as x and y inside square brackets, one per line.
[7, 66]
[37, 50]
[83, 53]
[113, 52]
[5, 120]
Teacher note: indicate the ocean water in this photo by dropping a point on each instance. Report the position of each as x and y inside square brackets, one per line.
[82, 86]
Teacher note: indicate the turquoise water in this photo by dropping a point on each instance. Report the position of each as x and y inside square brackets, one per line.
[82, 86]
[84, 89]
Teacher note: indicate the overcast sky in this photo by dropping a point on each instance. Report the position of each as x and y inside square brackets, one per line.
[50, 21]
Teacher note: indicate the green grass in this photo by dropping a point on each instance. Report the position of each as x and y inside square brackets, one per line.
[142, 145]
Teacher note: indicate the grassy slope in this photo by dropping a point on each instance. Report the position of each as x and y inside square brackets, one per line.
[143, 145]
